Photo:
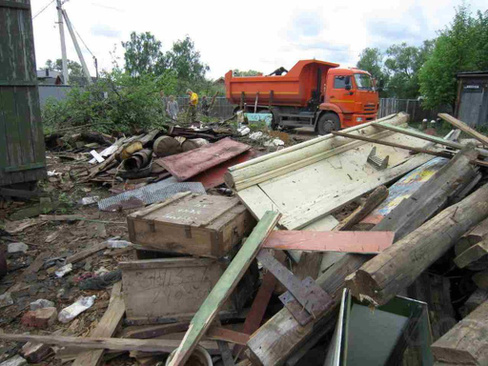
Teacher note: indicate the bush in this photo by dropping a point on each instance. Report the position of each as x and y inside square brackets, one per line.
[116, 102]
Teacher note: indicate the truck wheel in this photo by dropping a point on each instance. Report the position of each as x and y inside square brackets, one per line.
[327, 123]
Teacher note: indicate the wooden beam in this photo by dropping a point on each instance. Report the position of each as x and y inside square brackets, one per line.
[224, 287]
[384, 276]
[465, 343]
[424, 136]
[464, 127]
[472, 254]
[105, 328]
[373, 200]
[330, 241]
[117, 344]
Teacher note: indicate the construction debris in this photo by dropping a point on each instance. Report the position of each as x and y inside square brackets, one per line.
[272, 269]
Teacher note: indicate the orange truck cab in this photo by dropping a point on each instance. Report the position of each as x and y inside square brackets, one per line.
[313, 93]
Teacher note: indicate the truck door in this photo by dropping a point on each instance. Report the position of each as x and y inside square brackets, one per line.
[342, 93]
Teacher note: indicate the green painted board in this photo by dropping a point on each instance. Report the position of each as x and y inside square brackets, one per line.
[224, 287]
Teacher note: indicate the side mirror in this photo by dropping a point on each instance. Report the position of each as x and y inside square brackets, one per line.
[348, 87]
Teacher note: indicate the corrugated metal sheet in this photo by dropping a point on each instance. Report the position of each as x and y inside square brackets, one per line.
[22, 156]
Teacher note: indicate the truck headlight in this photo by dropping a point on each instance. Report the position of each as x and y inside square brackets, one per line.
[359, 119]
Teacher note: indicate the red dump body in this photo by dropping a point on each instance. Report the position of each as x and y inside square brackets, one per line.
[293, 89]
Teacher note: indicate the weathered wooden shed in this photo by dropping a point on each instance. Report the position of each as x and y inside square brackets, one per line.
[22, 155]
[472, 98]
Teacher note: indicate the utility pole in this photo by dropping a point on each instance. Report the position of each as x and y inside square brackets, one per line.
[77, 47]
[63, 42]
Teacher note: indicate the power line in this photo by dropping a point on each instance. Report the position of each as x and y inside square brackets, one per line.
[44, 8]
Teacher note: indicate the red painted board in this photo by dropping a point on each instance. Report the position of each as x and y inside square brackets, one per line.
[214, 177]
[188, 164]
[331, 241]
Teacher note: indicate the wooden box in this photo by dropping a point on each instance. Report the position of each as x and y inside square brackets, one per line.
[189, 223]
[158, 290]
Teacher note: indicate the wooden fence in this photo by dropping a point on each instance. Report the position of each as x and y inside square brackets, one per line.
[412, 106]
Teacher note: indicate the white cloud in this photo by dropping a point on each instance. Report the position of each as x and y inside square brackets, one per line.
[259, 35]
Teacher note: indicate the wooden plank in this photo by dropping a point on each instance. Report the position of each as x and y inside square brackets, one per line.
[86, 253]
[311, 296]
[255, 316]
[369, 242]
[373, 200]
[464, 127]
[188, 164]
[117, 344]
[465, 343]
[472, 254]
[105, 328]
[424, 136]
[384, 276]
[224, 287]
[227, 335]
[153, 331]
[258, 308]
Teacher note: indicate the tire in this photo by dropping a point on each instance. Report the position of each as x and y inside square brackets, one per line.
[327, 123]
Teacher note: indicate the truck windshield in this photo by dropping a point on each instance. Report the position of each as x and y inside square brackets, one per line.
[363, 81]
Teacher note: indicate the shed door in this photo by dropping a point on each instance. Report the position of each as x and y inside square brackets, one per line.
[22, 156]
[472, 97]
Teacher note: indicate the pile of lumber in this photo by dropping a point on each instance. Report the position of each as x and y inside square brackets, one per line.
[339, 241]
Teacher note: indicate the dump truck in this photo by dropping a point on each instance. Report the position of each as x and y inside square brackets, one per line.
[313, 93]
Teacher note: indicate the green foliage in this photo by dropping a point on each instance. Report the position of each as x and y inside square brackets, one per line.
[462, 46]
[143, 54]
[403, 65]
[371, 60]
[239, 73]
[117, 102]
[185, 61]
[74, 68]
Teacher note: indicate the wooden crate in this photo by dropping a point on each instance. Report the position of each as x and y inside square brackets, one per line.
[158, 290]
[189, 223]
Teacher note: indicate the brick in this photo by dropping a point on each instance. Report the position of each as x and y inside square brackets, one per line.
[36, 352]
[40, 318]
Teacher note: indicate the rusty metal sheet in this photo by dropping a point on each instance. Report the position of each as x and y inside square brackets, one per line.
[188, 164]
[214, 177]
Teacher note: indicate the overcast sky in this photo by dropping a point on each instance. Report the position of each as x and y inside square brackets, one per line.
[260, 35]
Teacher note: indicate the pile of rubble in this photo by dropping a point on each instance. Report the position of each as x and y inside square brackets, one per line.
[365, 246]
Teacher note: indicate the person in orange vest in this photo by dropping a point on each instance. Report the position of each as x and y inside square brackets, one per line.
[192, 108]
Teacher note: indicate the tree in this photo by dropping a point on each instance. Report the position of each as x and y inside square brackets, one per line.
[74, 68]
[184, 59]
[462, 46]
[143, 55]
[371, 60]
[240, 73]
[403, 65]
